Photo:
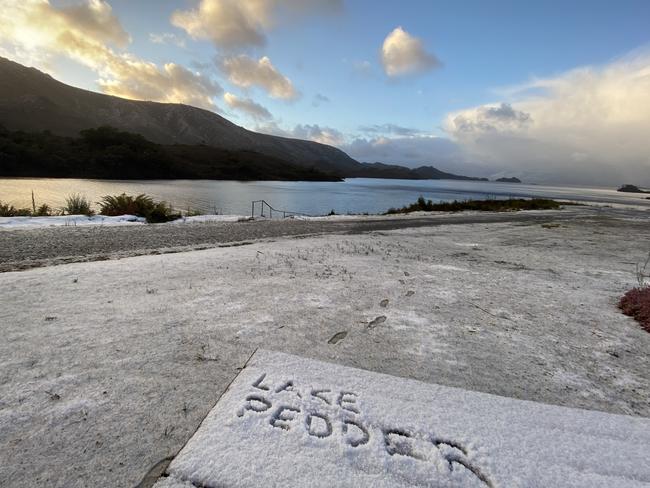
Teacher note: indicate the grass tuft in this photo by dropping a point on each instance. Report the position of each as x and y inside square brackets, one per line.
[7, 210]
[141, 205]
[77, 204]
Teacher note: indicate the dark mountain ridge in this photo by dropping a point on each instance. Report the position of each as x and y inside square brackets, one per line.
[34, 102]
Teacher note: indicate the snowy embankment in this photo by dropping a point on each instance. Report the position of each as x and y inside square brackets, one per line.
[109, 367]
[102, 220]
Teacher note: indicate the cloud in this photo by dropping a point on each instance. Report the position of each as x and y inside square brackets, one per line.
[167, 38]
[319, 99]
[313, 132]
[234, 24]
[248, 106]
[247, 72]
[589, 125]
[95, 17]
[136, 79]
[389, 129]
[402, 54]
[421, 150]
[33, 31]
[484, 119]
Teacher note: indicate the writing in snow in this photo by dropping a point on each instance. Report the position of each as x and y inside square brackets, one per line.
[326, 413]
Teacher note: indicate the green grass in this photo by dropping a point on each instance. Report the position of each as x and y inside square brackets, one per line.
[491, 205]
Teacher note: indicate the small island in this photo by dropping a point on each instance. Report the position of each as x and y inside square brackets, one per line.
[631, 189]
[508, 180]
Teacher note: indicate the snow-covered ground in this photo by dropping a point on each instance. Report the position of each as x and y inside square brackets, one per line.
[83, 220]
[292, 422]
[106, 368]
[67, 221]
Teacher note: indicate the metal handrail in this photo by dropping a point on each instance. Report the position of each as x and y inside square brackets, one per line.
[285, 213]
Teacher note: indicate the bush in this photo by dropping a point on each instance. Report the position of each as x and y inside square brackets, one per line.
[76, 204]
[636, 304]
[490, 205]
[7, 210]
[43, 211]
[141, 205]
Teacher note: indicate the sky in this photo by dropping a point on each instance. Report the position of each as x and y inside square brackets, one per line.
[551, 92]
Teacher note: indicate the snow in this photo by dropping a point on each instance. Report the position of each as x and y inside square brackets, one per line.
[68, 221]
[294, 422]
[109, 367]
[79, 220]
[211, 218]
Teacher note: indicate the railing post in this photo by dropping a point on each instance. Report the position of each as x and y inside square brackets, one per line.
[252, 209]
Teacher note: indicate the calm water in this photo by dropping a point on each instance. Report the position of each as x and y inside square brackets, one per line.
[355, 195]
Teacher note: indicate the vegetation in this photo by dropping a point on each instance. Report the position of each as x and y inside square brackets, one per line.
[141, 205]
[636, 302]
[108, 153]
[7, 210]
[76, 204]
[492, 205]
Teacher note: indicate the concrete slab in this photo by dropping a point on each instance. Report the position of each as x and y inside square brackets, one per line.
[294, 422]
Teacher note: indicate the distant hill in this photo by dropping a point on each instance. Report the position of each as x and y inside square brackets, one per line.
[381, 170]
[631, 189]
[34, 102]
[512, 179]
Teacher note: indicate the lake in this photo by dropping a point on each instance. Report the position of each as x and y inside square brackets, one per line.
[354, 195]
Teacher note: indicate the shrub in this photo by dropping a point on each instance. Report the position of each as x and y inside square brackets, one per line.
[76, 204]
[43, 211]
[7, 210]
[141, 205]
[125, 204]
[636, 304]
[161, 212]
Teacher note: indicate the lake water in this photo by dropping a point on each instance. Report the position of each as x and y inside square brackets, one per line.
[355, 195]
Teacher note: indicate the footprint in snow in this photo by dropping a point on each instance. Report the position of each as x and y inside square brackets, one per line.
[338, 337]
[384, 303]
[374, 323]
[410, 293]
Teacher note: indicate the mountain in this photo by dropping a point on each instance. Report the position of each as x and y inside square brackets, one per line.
[108, 153]
[381, 170]
[33, 101]
[197, 143]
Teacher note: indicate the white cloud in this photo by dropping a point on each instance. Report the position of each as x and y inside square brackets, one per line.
[402, 54]
[310, 132]
[248, 106]
[235, 24]
[33, 31]
[167, 38]
[247, 72]
[588, 125]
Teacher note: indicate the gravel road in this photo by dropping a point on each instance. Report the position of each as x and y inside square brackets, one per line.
[28, 248]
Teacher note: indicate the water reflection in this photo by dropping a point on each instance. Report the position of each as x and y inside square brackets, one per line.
[355, 195]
